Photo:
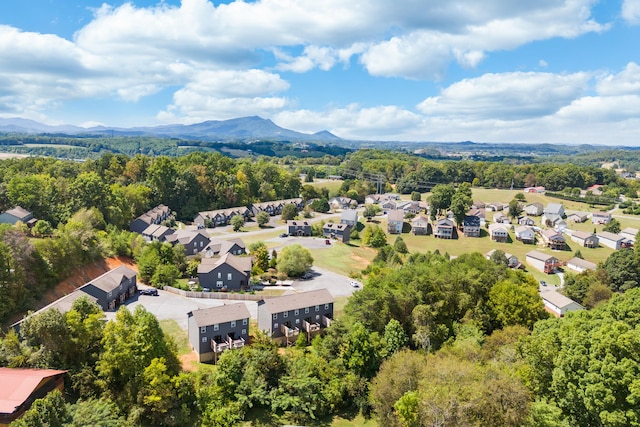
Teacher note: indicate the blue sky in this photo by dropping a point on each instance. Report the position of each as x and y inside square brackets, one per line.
[557, 71]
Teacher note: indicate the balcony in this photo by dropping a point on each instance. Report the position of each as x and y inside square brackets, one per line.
[289, 332]
[310, 327]
[239, 343]
[326, 321]
[219, 347]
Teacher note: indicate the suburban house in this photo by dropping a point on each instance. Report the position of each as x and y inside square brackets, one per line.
[193, 241]
[16, 214]
[554, 209]
[498, 232]
[227, 273]
[153, 216]
[525, 220]
[340, 232]
[480, 213]
[296, 227]
[630, 233]
[156, 233]
[21, 387]
[543, 262]
[587, 240]
[112, 288]
[340, 202]
[525, 234]
[578, 216]
[512, 260]
[580, 265]
[501, 218]
[553, 239]
[409, 207]
[601, 218]
[534, 209]
[420, 225]
[388, 205]
[496, 207]
[395, 220]
[283, 318]
[553, 220]
[374, 199]
[471, 226]
[233, 246]
[220, 217]
[216, 329]
[477, 204]
[275, 207]
[558, 304]
[349, 217]
[443, 229]
[613, 241]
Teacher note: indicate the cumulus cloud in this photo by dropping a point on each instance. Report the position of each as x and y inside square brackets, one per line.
[625, 82]
[631, 11]
[507, 96]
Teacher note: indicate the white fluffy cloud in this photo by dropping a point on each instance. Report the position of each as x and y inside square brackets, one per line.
[631, 11]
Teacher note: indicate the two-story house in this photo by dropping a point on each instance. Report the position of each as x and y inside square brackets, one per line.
[543, 262]
[443, 229]
[112, 288]
[498, 232]
[16, 214]
[349, 217]
[216, 329]
[534, 209]
[233, 246]
[587, 240]
[395, 220]
[340, 232]
[227, 273]
[471, 226]
[525, 234]
[296, 227]
[553, 239]
[194, 241]
[153, 216]
[284, 318]
[601, 218]
[420, 225]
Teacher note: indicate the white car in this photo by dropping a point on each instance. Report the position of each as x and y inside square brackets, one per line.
[355, 284]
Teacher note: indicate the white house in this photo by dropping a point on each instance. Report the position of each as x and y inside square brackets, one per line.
[534, 209]
[580, 265]
[630, 233]
[543, 262]
[501, 218]
[525, 234]
[588, 240]
[558, 304]
[498, 232]
[554, 209]
[349, 217]
[601, 218]
[578, 216]
[611, 240]
[512, 260]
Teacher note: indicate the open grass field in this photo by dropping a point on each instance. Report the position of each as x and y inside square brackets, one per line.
[332, 185]
[345, 259]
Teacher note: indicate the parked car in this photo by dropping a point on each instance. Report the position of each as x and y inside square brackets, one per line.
[149, 291]
[543, 283]
[355, 284]
[284, 235]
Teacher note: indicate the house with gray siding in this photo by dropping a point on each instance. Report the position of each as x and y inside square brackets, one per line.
[216, 329]
[284, 318]
[156, 233]
[298, 227]
[587, 240]
[340, 232]
[349, 216]
[153, 216]
[14, 215]
[112, 288]
[227, 273]
[219, 247]
[395, 221]
[194, 241]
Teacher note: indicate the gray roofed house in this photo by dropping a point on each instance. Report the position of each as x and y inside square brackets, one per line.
[296, 227]
[554, 209]
[220, 247]
[588, 240]
[156, 232]
[580, 265]
[471, 226]
[216, 329]
[601, 218]
[612, 240]
[630, 233]
[420, 225]
[525, 234]
[14, 215]
[341, 232]
[558, 304]
[349, 216]
[227, 273]
[112, 288]
[395, 219]
[193, 241]
[444, 229]
[578, 216]
[284, 317]
[152, 216]
[534, 209]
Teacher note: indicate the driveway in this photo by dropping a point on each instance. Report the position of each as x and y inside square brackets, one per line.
[171, 306]
[337, 284]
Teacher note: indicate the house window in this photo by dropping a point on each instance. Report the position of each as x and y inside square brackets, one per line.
[296, 312]
[219, 275]
[110, 294]
[121, 286]
[216, 327]
[203, 329]
[317, 317]
[233, 323]
[244, 332]
[286, 314]
[317, 308]
[204, 339]
[201, 244]
[219, 284]
[275, 326]
[195, 250]
[229, 276]
[275, 316]
[326, 306]
[244, 321]
[297, 321]
[306, 310]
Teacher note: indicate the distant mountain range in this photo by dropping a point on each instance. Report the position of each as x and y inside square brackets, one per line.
[243, 128]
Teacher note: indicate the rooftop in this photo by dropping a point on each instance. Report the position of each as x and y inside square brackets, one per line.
[299, 300]
[220, 314]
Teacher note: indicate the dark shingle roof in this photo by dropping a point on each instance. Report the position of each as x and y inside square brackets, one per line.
[220, 314]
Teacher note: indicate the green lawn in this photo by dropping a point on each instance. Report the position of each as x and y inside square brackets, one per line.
[345, 259]
[171, 328]
[332, 186]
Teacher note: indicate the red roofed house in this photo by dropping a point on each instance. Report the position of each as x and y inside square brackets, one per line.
[21, 387]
